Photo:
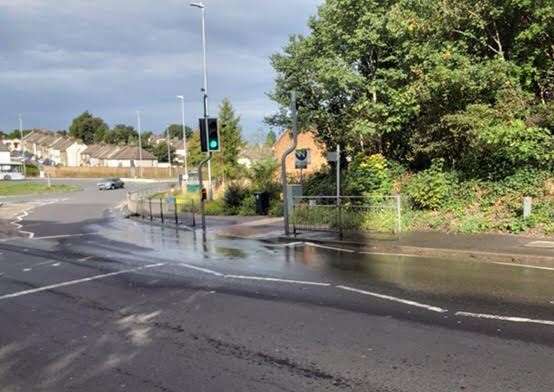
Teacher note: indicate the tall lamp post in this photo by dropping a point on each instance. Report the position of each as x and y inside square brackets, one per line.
[205, 91]
[139, 129]
[168, 141]
[182, 98]
[22, 147]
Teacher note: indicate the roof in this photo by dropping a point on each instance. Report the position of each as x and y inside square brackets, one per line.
[91, 149]
[132, 152]
[63, 144]
[105, 152]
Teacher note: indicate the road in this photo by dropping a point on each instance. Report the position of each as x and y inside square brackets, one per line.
[98, 302]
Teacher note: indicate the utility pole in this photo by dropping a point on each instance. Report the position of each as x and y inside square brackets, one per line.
[291, 148]
[139, 129]
[168, 141]
[205, 98]
[22, 148]
[182, 98]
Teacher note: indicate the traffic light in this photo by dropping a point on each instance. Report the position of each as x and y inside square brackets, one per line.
[212, 143]
[204, 194]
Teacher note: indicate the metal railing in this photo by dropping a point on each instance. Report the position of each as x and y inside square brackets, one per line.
[155, 205]
[346, 214]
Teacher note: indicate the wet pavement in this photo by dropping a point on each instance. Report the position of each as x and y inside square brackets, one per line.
[269, 316]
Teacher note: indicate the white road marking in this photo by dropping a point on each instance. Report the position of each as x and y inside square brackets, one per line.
[200, 269]
[244, 277]
[504, 318]
[85, 258]
[523, 265]
[27, 269]
[290, 244]
[329, 247]
[396, 254]
[74, 282]
[49, 237]
[56, 264]
[395, 299]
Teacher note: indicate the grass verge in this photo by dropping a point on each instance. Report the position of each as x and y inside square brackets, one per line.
[9, 188]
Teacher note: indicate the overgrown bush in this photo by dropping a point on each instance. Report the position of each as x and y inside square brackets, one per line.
[321, 183]
[31, 170]
[233, 197]
[276, 208]
[214, 207]
[368, 175]
[431, 188]
[262, 175]
[248, 206]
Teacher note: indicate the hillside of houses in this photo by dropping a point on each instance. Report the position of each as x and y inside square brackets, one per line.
[59, 150]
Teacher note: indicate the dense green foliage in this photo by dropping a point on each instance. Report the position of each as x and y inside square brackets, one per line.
[161, 152]
[469, 82]
[231, 142]
[270, 138]
[176, 131]
[88, 128]
[369, 174]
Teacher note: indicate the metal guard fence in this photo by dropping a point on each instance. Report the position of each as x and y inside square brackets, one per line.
[151, 205]
[344, 214]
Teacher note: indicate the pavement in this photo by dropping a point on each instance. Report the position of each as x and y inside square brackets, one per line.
[94, 301]
[483, 247]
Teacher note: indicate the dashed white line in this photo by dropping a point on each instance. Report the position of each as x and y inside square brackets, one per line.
[302, 282]
[85, 258]
[395, 299]
[27, 269]
[504, 318]
[77, 281]
[329, 247]
[200, 269]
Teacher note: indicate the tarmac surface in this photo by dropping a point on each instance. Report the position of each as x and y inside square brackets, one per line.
[98, 302]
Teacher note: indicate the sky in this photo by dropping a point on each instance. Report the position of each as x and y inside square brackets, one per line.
[114, 57]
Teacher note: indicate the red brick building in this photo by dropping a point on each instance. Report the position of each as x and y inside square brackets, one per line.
[306, 140]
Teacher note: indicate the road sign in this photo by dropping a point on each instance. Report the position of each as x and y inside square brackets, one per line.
[332, 156]
[212, 143]
[301, 158]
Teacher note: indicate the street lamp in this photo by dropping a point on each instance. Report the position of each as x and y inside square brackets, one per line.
[182, 98]
[168, 141]
[139, 129]
[205, 90]
[21, 143]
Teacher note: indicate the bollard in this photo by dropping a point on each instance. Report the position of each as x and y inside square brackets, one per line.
[527, 207]
[161, 210]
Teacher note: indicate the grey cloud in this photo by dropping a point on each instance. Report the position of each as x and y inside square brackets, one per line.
[58, 58]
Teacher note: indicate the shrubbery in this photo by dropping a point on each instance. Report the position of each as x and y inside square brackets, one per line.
[431, 188]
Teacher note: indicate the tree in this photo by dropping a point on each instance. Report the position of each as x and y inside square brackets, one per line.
[86, 126]
[270, 138]
[121, 134]
[176, 131]
[160, 151]
[386, 77]
[231, 141]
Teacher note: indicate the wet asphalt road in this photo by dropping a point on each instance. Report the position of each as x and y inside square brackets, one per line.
[105, 303]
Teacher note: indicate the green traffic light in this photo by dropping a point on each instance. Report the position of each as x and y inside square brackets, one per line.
[213, 144]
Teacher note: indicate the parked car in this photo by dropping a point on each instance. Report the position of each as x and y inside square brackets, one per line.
[110, 183]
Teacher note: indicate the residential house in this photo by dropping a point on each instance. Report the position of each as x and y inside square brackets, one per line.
[13, 144]
[5, 155]
[131, 156]
[306, 141]
[66, 151]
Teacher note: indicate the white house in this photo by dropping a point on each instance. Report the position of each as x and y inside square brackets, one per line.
[5, 156]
